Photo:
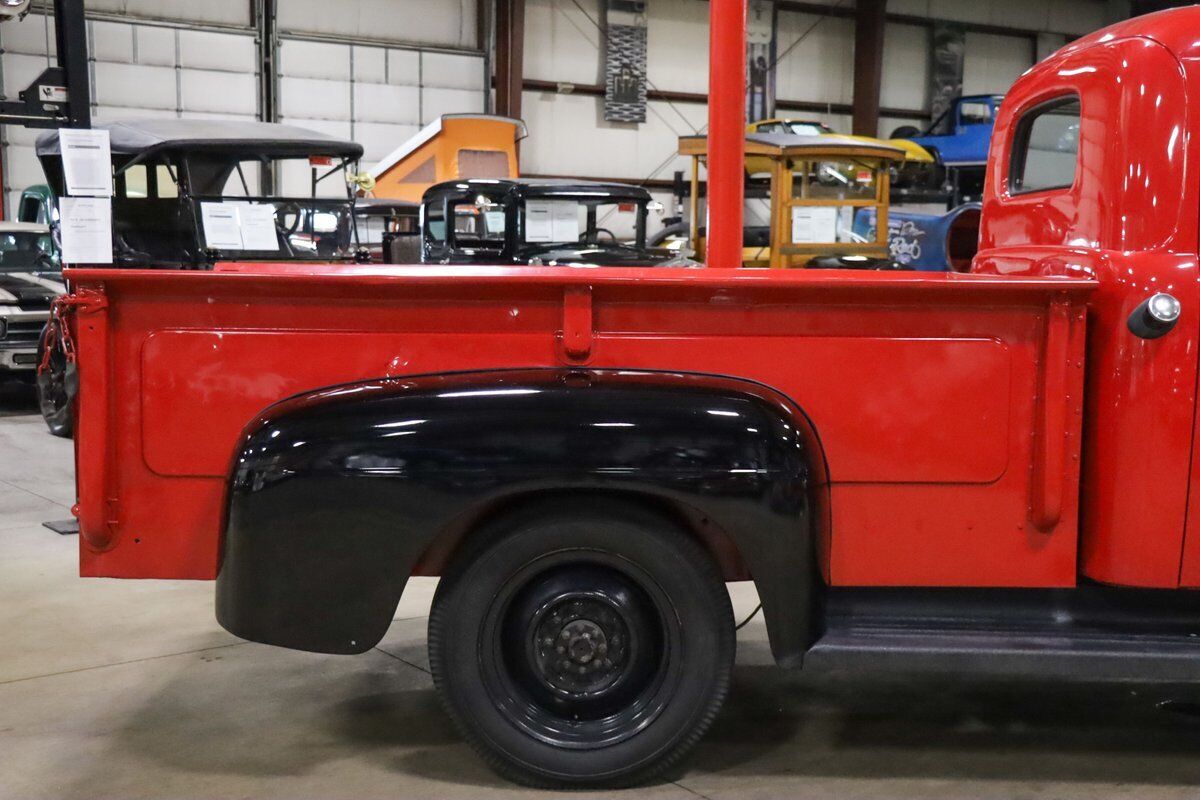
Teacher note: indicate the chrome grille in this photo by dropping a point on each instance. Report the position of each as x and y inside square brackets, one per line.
[20, 333]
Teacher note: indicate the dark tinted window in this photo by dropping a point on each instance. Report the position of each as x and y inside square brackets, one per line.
[1046, 147]
[30, 210]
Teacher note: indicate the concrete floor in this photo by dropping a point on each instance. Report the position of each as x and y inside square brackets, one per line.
[124, 689]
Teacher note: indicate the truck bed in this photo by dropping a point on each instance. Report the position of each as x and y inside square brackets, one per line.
[923, 390]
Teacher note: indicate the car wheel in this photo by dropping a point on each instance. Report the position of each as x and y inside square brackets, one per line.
[54, 393]
[583, 648]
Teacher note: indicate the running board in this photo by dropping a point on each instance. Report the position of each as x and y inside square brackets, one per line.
[1041, 639]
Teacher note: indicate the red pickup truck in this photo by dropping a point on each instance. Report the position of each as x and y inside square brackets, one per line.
[988, 472]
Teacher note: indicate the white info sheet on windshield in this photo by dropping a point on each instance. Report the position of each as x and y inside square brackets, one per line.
[551, 221]
[239, 226]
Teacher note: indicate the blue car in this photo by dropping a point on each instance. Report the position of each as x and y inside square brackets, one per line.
[960, 136]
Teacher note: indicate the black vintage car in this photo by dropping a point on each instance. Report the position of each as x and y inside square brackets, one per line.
[178, 182]
[540, 222]
[189, 193]
[389, 229]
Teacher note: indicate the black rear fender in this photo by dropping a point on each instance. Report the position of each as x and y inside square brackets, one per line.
[338, 495]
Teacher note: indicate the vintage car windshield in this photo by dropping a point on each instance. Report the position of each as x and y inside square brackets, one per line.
[198, 207]
[308, 216]
[21, 251]
[607, 223]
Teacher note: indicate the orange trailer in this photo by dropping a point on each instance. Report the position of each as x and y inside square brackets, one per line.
[452, 146]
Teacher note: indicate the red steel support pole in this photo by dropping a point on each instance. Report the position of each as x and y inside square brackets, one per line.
[726, 131]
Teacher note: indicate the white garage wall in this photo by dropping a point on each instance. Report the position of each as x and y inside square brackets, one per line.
[568, 135]
[994, 62]
[1074, 17]
[138, 70]
[199, 59]
[445, 23]
[377, 96]
[376, 70]
[221, 12]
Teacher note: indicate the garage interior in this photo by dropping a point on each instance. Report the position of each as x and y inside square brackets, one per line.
[118, 689]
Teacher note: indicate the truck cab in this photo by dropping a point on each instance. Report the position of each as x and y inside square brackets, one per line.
[982, 473]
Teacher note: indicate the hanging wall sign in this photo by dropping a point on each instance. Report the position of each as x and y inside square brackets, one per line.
[625, 61]
[760, 60]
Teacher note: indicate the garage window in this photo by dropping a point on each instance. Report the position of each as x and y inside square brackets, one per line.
[1046, 147]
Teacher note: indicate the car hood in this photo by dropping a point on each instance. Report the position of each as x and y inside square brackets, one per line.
[30, 291]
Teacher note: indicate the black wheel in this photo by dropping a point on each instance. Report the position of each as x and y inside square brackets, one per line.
[587, 647]
[906, 132]
[54, 391]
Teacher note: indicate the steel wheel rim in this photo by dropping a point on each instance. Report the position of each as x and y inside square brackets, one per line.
[604, 704]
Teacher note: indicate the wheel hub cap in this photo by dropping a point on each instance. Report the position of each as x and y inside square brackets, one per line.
[582, 646]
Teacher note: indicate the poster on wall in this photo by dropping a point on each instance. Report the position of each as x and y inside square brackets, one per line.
[948, 44]
[625, 61]
[760, 60]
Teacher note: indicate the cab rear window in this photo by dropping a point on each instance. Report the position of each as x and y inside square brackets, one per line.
[1046, 147]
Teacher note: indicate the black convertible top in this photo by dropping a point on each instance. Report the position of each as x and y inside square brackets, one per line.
[146, 136]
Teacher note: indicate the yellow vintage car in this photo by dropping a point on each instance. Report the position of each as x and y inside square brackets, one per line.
[917, 165]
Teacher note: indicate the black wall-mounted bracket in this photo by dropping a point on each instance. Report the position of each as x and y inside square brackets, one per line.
[60, 97]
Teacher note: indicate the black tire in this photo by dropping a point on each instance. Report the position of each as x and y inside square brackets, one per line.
[557, 591]
[906, 132]
[54, 399]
